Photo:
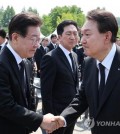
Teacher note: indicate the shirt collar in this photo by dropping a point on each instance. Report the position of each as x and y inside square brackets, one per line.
[109, 58]
[66, 52]
[53, 44]
[17, 57]
[3, 44]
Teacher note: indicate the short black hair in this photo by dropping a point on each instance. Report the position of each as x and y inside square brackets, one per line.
[60, 27]
[2, 33]
[20, 23]
[105, 20]
[53, 35]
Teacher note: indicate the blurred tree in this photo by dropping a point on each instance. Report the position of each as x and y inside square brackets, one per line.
[8, 14]
[118, 21]
[46, 28]
[118, 35]
[30, 9]
[59, 14]
[51, 20]
[1, 16]
[24, 9]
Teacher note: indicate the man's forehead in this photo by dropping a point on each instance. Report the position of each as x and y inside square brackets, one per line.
[88, 26]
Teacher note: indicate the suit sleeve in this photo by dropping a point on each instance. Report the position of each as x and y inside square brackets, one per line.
[48, 74]
[77, 106]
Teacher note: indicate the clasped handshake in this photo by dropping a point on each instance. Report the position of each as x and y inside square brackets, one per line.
[50, 122]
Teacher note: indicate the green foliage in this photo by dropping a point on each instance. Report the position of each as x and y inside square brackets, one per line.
[7, 15]
[118, 21]
[30, 9]
[1, 16]
[51, 20]
[46, 28]
[59, 14]
[118, 35]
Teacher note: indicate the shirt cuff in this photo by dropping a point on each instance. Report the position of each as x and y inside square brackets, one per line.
[65, 123]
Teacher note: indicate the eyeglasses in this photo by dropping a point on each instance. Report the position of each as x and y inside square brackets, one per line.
[33, 39]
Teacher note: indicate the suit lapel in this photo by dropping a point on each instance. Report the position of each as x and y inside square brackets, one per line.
[113, 78]
[65, 61]
[14, 65]
[51, 46]
[64, 58]
[76, 67]
[42, 50]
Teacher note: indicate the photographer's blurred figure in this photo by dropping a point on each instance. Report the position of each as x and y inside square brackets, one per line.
[40, 52]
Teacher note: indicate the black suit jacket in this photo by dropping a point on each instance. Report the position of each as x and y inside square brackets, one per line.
[40, 52]
[109, 108]
[58, 83]
[50, 46]
[16, 111]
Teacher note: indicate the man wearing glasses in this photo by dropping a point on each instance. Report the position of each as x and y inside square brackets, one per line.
[17, 114]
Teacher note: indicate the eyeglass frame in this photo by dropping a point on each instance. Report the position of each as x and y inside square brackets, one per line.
[34, 39]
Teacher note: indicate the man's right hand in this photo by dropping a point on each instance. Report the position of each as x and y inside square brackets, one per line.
[49, 123]
[60, 120]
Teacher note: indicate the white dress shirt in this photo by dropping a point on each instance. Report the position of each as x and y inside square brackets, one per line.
[66, 52]
[17, 57]
[107, 62]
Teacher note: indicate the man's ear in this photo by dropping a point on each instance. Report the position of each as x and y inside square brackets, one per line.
[15, 37]
[108, 36]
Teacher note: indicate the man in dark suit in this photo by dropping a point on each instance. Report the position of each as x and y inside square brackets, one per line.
[17, 114]
[53, 43]
[3, 40]
[59, 77]
[40, 52]
[78, 49]
[100, 88]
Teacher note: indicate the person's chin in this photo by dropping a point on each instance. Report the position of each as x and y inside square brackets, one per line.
[31, 55]
[86, 53]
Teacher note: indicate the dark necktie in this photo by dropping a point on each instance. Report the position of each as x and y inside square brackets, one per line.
[23, 76]
[102, 80]
[0, 47]
[22, 73]
[73, 63]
